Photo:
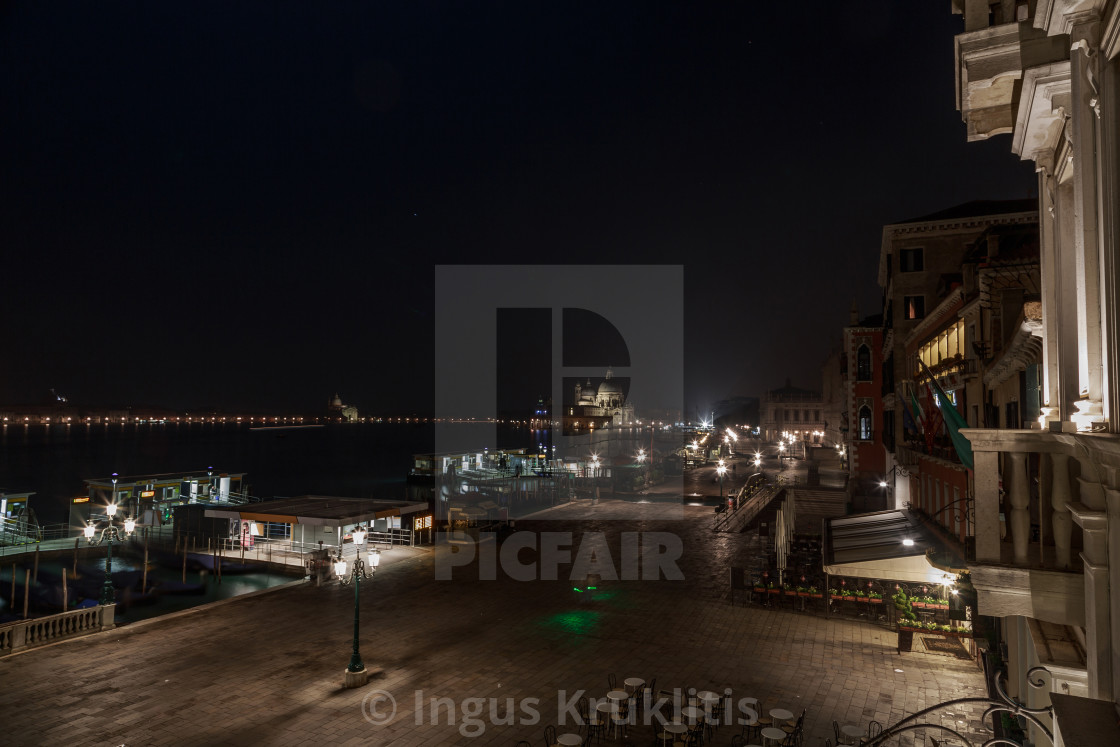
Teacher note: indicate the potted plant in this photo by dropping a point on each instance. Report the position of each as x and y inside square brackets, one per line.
[834, 594]
[789, 590]
[874, 597]
[906, 621]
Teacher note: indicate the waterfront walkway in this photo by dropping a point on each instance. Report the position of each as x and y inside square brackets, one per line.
[268, 669]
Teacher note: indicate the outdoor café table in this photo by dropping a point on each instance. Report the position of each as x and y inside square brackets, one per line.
[572, 740]
[633, 682]
[692, 714]
[618, 695]
[776, 735]
[854, 732]
[780, 714]
[610, 711]
[674, 728]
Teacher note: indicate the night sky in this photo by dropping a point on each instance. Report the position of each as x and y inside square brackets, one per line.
[241, 205]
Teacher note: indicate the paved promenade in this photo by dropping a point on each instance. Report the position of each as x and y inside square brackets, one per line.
[268, 669]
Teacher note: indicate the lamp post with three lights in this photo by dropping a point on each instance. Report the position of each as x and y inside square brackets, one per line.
[106, 535]
[356, 674]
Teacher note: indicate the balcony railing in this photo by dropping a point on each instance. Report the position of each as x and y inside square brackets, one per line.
[1036, 502]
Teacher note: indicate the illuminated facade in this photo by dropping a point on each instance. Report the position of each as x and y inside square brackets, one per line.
[794, 411]
[1046, 560]
[598, 406]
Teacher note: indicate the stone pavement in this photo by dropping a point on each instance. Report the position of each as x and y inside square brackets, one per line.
[268, 669]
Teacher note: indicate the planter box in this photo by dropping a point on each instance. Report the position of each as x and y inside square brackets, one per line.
[835, 596]
[849, 599]
[861, 599]
[760, 589]
[873, 600]
[791, 593]
[774, 591]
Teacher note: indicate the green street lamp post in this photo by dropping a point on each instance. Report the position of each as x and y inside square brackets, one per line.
[356, 674]
[107, 534]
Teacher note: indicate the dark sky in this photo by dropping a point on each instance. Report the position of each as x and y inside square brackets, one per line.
[242, 204]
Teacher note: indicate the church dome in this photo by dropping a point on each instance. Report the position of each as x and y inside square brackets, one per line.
[609, 387]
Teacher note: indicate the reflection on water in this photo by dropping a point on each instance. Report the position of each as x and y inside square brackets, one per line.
[166, 589]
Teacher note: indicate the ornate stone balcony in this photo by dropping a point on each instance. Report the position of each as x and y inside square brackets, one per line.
[1041, 523]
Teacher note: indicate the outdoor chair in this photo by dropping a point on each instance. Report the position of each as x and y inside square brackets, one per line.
[840, 738]
[645, 696]
[874, 729]
[790, 728]
[612, 682]
[550, 736]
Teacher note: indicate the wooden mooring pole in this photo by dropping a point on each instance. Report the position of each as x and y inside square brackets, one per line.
[184, 562]
[35, 575]
[65, 594]
[26, 590]
[144, 583]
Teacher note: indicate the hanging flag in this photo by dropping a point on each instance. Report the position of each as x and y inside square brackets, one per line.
[954, 421]
[917, 413]
[908, 422]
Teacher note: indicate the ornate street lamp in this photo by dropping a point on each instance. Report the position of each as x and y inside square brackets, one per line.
[107, 534]
[356, 674]
[721, 469]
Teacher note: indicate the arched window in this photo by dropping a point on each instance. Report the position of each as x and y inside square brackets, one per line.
[865, 423]
[863, 363]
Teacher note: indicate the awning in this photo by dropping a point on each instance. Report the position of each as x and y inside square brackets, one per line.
[885, 545]
[313, 510]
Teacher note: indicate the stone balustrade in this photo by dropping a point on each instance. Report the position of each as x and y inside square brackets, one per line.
[1058, 576]
[39, 631]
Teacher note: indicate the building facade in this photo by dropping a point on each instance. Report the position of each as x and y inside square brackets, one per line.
[862, 421]
[1046, 560]
[794, 411]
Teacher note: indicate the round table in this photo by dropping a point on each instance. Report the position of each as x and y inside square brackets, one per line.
[691, 713]
[707, 695]
[852, 731]
[771, 733]
[675, 728]
[633, 682]
[781, 714]
[618, 695]
[570, 740]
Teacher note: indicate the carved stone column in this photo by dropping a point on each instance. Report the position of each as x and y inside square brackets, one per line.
[1019, 495]
[987, 506]
[1059, 500]
[1085, 98]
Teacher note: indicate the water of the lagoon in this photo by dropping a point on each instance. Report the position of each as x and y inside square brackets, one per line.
[360, 460]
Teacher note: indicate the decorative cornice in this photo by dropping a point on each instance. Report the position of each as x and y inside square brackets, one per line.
[1024, 350]
[1045, 91]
